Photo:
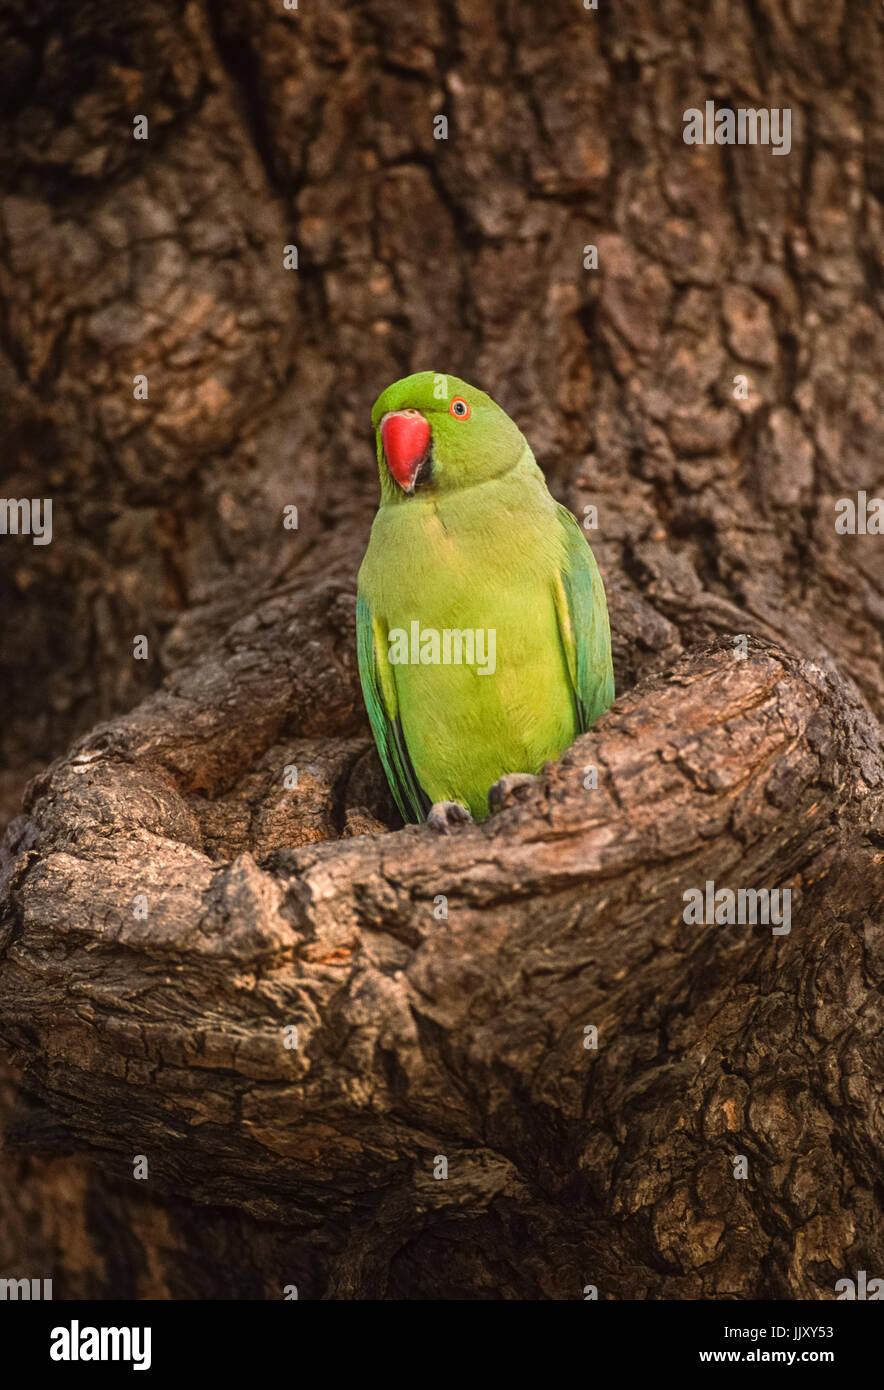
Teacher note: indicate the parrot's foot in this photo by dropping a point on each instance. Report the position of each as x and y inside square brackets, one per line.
[505, 789]
[444, 814]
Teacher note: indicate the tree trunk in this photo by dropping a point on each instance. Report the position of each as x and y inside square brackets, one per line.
[172, 910]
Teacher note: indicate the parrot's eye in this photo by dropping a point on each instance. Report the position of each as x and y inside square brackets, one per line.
[459, 408]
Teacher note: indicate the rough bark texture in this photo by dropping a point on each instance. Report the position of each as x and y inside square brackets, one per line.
[267, 907]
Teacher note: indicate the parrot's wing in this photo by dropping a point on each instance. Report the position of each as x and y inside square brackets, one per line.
[583, 624]
[381, 701]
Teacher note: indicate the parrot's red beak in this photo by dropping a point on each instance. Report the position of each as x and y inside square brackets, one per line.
[405, 436]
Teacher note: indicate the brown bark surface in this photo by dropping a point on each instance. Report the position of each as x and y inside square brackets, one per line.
[420, 1036]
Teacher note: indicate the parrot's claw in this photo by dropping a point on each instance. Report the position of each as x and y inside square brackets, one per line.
[505, 790]
[444, 814]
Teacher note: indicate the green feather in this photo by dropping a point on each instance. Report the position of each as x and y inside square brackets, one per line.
[379, 693]
[583, 625]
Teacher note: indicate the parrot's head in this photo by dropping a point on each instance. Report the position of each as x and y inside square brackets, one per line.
[436, 434]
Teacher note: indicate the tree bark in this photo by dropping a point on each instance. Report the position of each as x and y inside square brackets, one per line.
[422, 1037]
[441, 986]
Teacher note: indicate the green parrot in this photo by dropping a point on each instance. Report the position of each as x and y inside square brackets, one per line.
[483, 637]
